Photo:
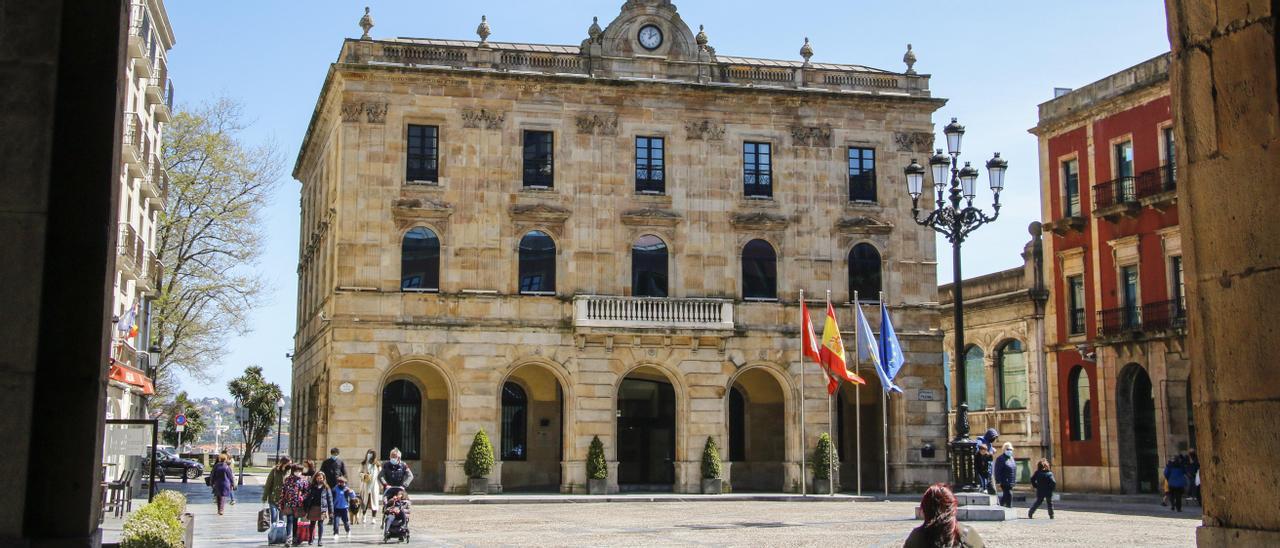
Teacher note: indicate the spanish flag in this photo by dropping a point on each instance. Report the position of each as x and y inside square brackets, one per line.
[832, 352]
[809, 346]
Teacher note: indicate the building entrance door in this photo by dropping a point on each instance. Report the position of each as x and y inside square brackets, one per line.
[1140, 454]
[646, 435]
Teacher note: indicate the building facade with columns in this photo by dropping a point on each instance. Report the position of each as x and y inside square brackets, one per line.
[1116, 322]
[1003, 365]
[555, 243]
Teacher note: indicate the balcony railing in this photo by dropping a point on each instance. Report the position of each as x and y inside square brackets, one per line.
[155, 186]
[1157, 181]
[1129, 190]
[1115, 321]
[130, 257]
[134, 137]
[149, 272]
[1163, 315]
[652, 313]
[1114, 192]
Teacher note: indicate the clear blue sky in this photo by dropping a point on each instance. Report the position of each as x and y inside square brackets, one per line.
[994, 61]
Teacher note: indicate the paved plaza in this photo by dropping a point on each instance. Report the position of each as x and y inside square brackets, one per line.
[1094, 522]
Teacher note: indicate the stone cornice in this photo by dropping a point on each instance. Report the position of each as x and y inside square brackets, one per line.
[419, 208]
[863, 225]
[539, 213]
[759, 220]
[650, 217]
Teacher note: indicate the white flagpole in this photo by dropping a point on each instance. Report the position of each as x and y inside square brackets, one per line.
[831, 478]
[884, 400]
[857, 389]
[803, 479]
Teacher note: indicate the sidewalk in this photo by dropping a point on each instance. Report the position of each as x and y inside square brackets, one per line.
[551, 498]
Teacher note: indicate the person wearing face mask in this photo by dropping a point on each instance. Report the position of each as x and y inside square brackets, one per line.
[395, 475]
[367, 486]
[1006, 473]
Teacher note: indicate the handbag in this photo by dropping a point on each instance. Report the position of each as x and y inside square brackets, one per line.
[264, 520]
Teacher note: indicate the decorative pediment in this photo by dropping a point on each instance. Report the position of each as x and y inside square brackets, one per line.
[811, 136]
[864, 225]
[597, 124]
[759, 220]
[539, 213]
[421, 208]
[916, 141]
[650, 217]
[482, 118]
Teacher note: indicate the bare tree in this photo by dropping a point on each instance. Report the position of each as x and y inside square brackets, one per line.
[209, 238]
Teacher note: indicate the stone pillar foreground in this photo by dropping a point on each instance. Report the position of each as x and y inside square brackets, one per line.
[1228, 124]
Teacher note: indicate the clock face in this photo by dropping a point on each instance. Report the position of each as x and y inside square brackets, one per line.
[650, 37]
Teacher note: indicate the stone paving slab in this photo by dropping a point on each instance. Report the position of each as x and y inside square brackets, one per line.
[429, 500]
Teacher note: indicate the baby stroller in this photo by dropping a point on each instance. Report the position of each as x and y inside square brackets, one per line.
[395, 516]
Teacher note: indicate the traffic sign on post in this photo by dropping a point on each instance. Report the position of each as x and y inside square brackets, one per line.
[180, 427]
[180, 420]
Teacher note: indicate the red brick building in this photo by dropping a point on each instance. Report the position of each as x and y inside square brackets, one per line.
[1115, 320]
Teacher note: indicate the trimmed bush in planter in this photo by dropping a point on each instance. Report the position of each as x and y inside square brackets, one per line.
[711, 481]
[597, 468]
[479, 463]
[156, 525]
[822, 459]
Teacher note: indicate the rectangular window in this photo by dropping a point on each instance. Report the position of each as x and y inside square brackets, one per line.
[1179, 289]
[1071, 182]
[862, 174]
[1170, 160]
[1129, 295]
[651, 171]
[539, 160]
[757, 170]
[1124, 172]
[423, 159]
[1075, 292]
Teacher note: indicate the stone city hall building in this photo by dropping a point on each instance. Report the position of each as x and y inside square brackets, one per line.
[552, 243]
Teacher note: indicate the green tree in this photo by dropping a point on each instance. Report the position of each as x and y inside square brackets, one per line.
[822, 457]
[480, 458]
[208, 238]
[710, 460]
[597, 468]
[257, 412]
[181, 404]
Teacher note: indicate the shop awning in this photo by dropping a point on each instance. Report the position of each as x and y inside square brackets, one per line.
[130, 376]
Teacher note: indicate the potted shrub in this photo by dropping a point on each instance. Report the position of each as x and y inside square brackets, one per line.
[597, 469]
[479, 464]
[162, 523]
[712, 484]
[822, 460]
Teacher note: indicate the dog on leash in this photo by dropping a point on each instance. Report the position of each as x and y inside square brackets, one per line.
[357, 510]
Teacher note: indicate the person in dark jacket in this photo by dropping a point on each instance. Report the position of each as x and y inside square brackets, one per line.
[1044, 483]
[222, 481]
[1006, 474]
[988, 440]
[982, 464]
[342, 497]
[319, 506]
[1175, 473]
[941, 526]
[333, 468]
[1193, 473]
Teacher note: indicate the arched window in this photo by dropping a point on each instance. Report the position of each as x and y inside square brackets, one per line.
[759, 271]
[401, 419]
[649, 267]
[864, 272]
[1012, 362]
[975, 379]
[420, 260]
[515, 413]
[537, 263]
[1081, 411]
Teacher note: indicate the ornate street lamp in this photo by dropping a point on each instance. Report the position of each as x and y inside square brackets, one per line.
[956, 220]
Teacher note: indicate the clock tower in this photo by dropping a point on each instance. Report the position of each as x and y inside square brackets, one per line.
[648, 39]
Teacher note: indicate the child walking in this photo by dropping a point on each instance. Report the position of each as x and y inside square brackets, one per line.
[1044, 483]
[342, 497]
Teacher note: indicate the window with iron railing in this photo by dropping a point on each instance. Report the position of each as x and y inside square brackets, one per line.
[757, 170]
[1075, 306]
[651, 173]
[423, 158]
[539, 159]
[862, 174]
[1071, 184]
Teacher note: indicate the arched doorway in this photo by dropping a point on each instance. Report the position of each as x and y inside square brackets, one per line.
[646, 431]
[415, 420]
[757, 432]
[1136, 415]
[859, 415]
[531, 437]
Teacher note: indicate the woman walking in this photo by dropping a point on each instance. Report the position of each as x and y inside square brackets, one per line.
[275, 482]
[1006, 474]
[319, 506]
[367, 488]
[1044, 483]
[222, 481]
[1175, 473]
[941, 528]
[292, 492]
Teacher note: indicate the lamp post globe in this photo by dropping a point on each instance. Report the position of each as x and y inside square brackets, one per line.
[956, 218]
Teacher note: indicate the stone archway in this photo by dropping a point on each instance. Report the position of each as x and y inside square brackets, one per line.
[531, 430]
[424, 439]
[860, 434]
[646, 431]
[757, 408]
[1136, 419]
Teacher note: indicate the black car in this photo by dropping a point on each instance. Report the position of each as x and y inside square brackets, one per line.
[168, 463]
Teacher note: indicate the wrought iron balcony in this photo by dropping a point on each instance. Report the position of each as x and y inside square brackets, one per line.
[135, 137]
[129, 256]
[1119, 191]
[652, 313]
[155, 186]
[1117, 321]
[1125, 195]
[1157, 181]
[1164, 315]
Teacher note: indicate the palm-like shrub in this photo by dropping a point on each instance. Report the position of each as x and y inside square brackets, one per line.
[480, 457]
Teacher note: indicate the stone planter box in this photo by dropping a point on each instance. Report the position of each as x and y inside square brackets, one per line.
[712, 486]
[478, 486]
[821, 486]
[598, 486]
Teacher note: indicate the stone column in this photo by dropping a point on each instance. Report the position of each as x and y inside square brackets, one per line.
[1228, 129]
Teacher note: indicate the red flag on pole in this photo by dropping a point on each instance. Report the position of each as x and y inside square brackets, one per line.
[809, 347]
[832, 351]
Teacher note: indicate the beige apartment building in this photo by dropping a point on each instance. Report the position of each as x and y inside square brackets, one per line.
[558, 242]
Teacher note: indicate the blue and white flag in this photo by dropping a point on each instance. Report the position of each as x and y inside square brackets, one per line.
[891, 359]
[868, 348]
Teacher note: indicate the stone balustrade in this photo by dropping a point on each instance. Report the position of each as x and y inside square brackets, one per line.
[652, 313]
